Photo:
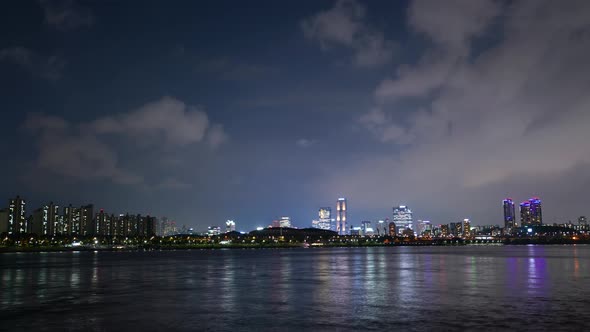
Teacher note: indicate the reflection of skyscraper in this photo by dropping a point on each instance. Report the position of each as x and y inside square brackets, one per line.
[531, 213]
[509, 214]
[341, 216]
[402, 217]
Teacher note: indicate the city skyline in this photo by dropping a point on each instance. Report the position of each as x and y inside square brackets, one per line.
[225, 110]
[47, 220]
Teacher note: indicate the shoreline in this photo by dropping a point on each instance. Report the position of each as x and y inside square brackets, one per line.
[256, 247]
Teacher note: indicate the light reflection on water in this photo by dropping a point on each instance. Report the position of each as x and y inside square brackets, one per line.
[416, 288]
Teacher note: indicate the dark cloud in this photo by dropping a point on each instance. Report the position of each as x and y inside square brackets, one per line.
[66, 14]
[48, 67]
[82, 150]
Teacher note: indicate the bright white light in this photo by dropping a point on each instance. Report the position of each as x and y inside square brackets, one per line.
[259, 228]
[530, 230]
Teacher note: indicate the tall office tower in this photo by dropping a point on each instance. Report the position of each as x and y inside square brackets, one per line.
[392, 229]
[17, 222]
[213, 230]
[531, 213]
[525, 213]
[365, 225]
[424, 228]
[444, 230]
[381, 227]
[341, 207]
[509, 214]
[325, 215]
[466, 228]
[285, 222]
[71, 220]
[87, 220]
[536, 211]
[230, 226]
[402, 217]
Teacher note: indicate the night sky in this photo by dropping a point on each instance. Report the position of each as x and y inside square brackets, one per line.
[204, 111]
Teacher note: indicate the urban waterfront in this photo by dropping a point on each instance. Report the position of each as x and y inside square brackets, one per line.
[373, 288]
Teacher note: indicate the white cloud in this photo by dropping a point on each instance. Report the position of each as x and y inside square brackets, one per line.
[516, 110]
[167, 118]
[345, 25]
[305, 143]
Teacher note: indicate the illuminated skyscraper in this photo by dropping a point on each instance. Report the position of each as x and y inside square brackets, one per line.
[324, 220]
[71, 220]
[531, 212]
[509, 214]
[285, 222]
[402, 217]
[230, 226]
[424, 228]
[466, 228]
[392, 229]
[341, 216]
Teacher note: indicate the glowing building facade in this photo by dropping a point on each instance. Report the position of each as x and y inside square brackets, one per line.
[285, 222]
[17, 222]
[341, 207]
[402, 217]
[509, 214]
[230, 226]
[531, 213]
[324, 221]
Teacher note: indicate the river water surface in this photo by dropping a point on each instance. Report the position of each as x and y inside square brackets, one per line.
[381, 288]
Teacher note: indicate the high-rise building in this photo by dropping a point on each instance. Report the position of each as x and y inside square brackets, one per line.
[341, 207]
[324, 221]
[365, 225]
[381, 227]
[531, 213]
[582, 220]
[71, 220]
[392, 229]
[285, 222]
[87, 220]
[424, 228]
[102, 224]
[509, 214]
[213, 230]
[402, 217]
[466, 228]
[17, 222]
[444, 230]
[230, 226]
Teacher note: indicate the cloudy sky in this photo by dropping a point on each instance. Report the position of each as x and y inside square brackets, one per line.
[213, 110]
